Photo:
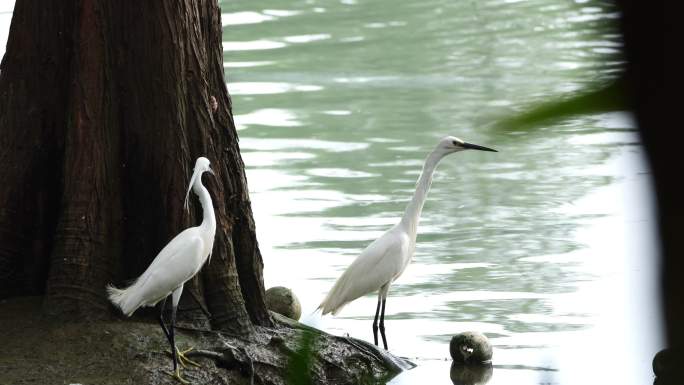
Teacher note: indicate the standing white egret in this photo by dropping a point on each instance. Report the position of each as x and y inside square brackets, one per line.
[385, 259]
[175, 264]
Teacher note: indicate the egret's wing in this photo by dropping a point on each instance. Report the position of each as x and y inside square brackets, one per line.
[179, 265]
[376, 266]
[178, 261]
[171, 249]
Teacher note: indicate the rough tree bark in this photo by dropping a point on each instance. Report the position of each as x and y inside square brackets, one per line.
[104, 107]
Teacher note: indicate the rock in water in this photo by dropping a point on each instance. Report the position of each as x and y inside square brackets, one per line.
[470, 348]
[667, 367]
[282, 300]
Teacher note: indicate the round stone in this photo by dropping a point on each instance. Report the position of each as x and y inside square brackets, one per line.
[282, 300]
[470, 348]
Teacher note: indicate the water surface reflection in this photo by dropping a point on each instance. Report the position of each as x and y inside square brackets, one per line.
[544, 247]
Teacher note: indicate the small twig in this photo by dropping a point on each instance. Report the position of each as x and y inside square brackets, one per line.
[205, 353]
[387, 359]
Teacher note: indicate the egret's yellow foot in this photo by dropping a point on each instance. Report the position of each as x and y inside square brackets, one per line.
[177, 376]
[185, 360]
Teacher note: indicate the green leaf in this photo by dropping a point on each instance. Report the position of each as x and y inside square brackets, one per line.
[301, 360]
[605, 99]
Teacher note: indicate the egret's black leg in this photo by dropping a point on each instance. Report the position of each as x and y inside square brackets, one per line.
[174, 352]
[375, 324]
[169, 332]
[172, 339]
[382, 325]
[161, 320]
[178, 356]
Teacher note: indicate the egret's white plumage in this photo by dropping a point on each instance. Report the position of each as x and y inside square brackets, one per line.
[178, 261]
[386, 258]
[175, 264]
[379, 264]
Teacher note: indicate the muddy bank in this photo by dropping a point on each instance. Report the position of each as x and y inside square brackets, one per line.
[37, 350]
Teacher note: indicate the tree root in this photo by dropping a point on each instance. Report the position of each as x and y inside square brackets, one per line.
[231, 358]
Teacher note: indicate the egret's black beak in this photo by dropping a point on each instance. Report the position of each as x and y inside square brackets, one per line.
[470, 146]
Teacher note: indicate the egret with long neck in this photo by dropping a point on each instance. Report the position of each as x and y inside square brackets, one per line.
[386, 258]
[175, 264]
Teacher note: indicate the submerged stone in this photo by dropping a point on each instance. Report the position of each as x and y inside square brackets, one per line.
[470, 348]
[282, 300]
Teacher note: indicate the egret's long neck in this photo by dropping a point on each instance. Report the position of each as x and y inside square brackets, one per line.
[208, 218]
[415, 207]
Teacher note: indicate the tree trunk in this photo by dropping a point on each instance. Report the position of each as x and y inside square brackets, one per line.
[653, 76]
[104, 106]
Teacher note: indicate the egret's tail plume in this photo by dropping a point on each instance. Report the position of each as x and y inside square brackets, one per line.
[331, 305]
[121, 298]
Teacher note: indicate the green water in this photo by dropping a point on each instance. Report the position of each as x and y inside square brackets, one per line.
[544, 246]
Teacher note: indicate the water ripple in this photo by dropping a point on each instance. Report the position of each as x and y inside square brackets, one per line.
[265, 88]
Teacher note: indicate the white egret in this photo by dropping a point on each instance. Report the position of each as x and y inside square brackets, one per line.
[385, 259]
[175, 264]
